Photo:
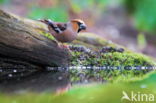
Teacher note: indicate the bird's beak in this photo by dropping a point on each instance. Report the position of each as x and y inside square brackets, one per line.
[82, 27]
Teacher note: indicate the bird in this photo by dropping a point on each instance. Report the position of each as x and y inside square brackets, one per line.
[65, 32]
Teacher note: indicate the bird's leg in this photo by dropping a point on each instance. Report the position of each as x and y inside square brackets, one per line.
[64, 46]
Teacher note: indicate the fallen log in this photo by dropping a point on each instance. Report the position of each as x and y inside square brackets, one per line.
[23, 39]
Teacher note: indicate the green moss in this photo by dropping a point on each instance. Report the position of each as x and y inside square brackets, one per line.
[46, 34]
[111, 59]
[126, 59]
[95, 43]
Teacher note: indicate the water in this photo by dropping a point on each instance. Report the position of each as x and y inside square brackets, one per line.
[53, 80]
[38, 82]
[14, 70]
[48, 80]
[10, 75]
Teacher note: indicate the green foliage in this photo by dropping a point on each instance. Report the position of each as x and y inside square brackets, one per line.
[4, 1]
[78, 5]
[144, 13]
[56, 13]
[61, 10]
[141, 41]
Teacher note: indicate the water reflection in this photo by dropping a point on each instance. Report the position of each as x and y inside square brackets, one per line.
[58, 79]
[49, 80]
[38, 81]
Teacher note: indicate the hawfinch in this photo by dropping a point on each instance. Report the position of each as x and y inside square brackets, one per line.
[65, 32]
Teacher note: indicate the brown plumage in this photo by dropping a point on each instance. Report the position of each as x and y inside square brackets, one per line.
[65, 32]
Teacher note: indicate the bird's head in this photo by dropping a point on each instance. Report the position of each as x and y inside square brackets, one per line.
[78, 25]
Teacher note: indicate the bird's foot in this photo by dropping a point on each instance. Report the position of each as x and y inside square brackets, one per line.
[64, 46]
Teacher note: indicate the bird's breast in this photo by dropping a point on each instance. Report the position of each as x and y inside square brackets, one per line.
[66, 36]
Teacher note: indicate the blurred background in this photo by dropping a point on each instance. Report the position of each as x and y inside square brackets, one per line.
[131, 23]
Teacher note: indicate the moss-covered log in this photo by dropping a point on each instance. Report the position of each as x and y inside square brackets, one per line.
[23, 39]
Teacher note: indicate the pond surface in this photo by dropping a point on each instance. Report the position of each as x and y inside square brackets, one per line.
[18, 81]
[59, 79]
[37, 81]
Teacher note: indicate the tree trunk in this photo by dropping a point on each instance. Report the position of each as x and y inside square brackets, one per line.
[23, 40]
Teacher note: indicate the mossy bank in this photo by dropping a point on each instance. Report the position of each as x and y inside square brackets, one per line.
[91, 50]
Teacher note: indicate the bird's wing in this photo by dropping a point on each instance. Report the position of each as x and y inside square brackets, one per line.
[62, 26]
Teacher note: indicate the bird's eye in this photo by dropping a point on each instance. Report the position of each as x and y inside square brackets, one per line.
[79, 23]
